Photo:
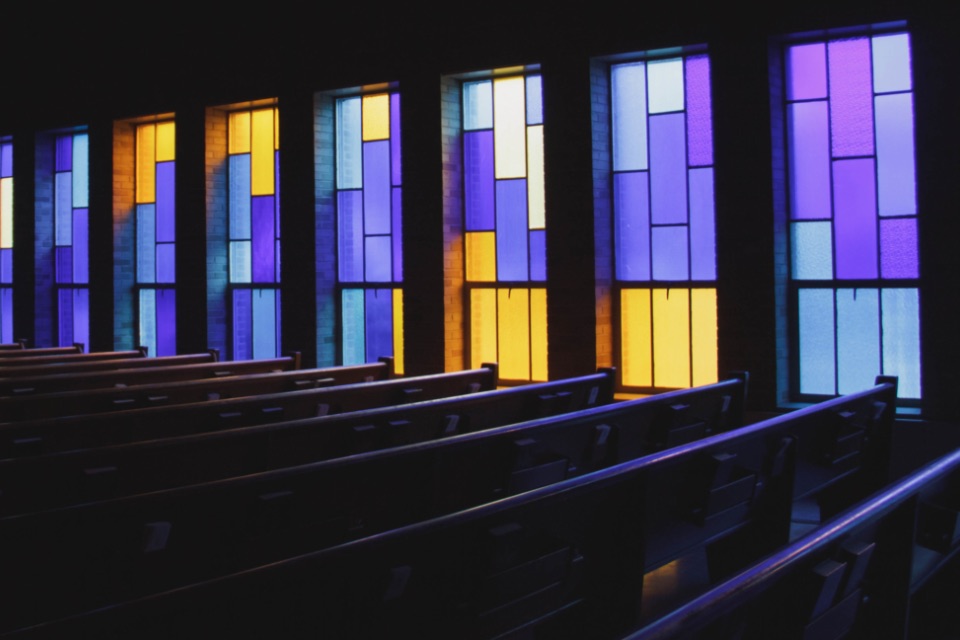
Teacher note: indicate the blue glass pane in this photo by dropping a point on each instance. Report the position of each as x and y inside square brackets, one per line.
[148, 321]
[895, 164]
[350, 231]
[858, 339]
[811, 250]
[146, 242]
[166, 201]
[6, 315]
[855, 227]
[81, 172]
[703, 253]
[242, 339]
[349, 144]
[63, 209]
[631, 202]
[901, 339]
[376, 186]
[809, 161]
[898, 248]
[264, 239]
[166, 263]
[6, 160]
[512, 230]
[477, 105]
[478, 180]
[379, 323]
[668, 169]
[534, 100]
[397, 235]
[665, 78]
[81, 246]
[166, 322]
[240, 197]
[6, 266]
[65, 317]
[629, 106]
[699, 111]
[379, 262]
[851, 97]
[81, 317]
[64, 153]
[64, 258]
[807, 72]
[670, 259]
[816, 341]
[264, 323]
[240, 261]
[538, 255]
[354, 349]
[396, 167]
[891, 63]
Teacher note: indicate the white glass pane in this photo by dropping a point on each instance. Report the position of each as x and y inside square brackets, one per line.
[478, 105]
[349, 144]
[811, 251]
[816, 342]
[666, 85]
[891, 63]
[858, 339]
[629, 112]
[901, 339]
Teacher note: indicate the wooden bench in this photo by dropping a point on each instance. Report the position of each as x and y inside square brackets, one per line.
[15, 353]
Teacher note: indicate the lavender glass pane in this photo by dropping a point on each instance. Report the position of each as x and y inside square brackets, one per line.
[264, 323]
[397, 235]
[811, 250]
[534, 99]
[166, 263]
[699, 111]
[240, 197]
[703, 252]
[353, 323]
[6, 160]
[264, 239]
[64, 153]
[350, 231]
[63, 209]
[148, 320]
[854, 223]
[891, 63]
[668, 169]
[166, 201]
[670, 259]
[538, 255]
[349, 144]
[379, 323]
[901, 339]
[242, 340]
[396, 168]
[6, 266]
[858, 339]
[631, 203]
[166, 322]
[898, 248]
[6, 315]
[376, 186]
[808, 141]
[478, 180]
[64, 258]
[851, 97]
[512, 230]
[146, 244]
[896, 173]
[65, 317]
[629, 112]
[477, 105]
[81, 170]
[379, 261]
[807, 72]
[81, 246]
[81, 317]
[817, 371]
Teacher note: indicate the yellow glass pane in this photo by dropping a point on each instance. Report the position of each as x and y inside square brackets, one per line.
[509, 133]
[481, 256]
[703, 336]
[398, 331]
[535, 200]
[146, 188]
[513, 333]
[262, 153]
[671, 337]
[6, 213]
[166, 141]
[483, 327]
[238, 132]
[636, 353]
[376, 117]
[538, 334]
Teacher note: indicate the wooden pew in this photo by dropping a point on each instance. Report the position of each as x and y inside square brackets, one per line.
[46, 481]
[12, 356]
[12, 346]
[131, 547]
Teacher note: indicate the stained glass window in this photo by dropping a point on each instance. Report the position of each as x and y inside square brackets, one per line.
[71, 238]
[254, 232]
[6, 241]
[368, 200]
[505, 224]
[155, 223]
[854, 258]
[663, 217]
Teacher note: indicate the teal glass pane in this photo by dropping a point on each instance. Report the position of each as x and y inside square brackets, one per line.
[241, 261]
[379, 262]
[858, 339]
[239, 195]
[379, 323]
[628, 87]
[148, 320]
[512, 230]
[146, 243]
[349, 143]
[354, 327]
[808, 140]
[477, 105]
[896, 175]
[699, 111]
[670, 253]
[898, 248]
[350, 235]
[668, 169]
[703, 253]
[376, 187]
[891, 63]
[665, 78]
[81, 170]
[855, 211]
[632, 230]
[817, 369]
[534, 100]
[63, 209]
[851, 97]
[265, 323]
[901, 339]
[811, 251]
[807, 72]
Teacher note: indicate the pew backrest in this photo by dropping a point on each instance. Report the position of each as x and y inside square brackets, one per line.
[11, 355]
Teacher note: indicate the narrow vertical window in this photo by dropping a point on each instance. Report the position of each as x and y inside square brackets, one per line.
[854, 257]
[6, 241]
[155, 245]
[663, 219]
[369, 241]
[71, 239]
[505, 225]
[254, 232]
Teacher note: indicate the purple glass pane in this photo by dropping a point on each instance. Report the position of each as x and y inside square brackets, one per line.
[276, 188]
[699, 111]
[81, 247]
[81, 317]
[898, 248]
[6, 315]
[6, 160]
[670, 253]
[809, 161]
[807, 72]
[242, 340]
[350, 230]
[6, 266]
[512, 230]
[65, 317]
[851, 97]
[896, 172]
[166, 322]
[631, 198]
[397, 235]
[64, 258]
[378, 261]
[538, 255]
[166, 201]
[478, 180]
[376, 186]
[379, 323]
[166, 263]
[668, 169]
[854, 223]
[703, 254]
[396, 169]
[64, 153]
[264, 239]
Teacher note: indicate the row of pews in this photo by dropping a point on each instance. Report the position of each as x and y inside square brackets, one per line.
[350, 502]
